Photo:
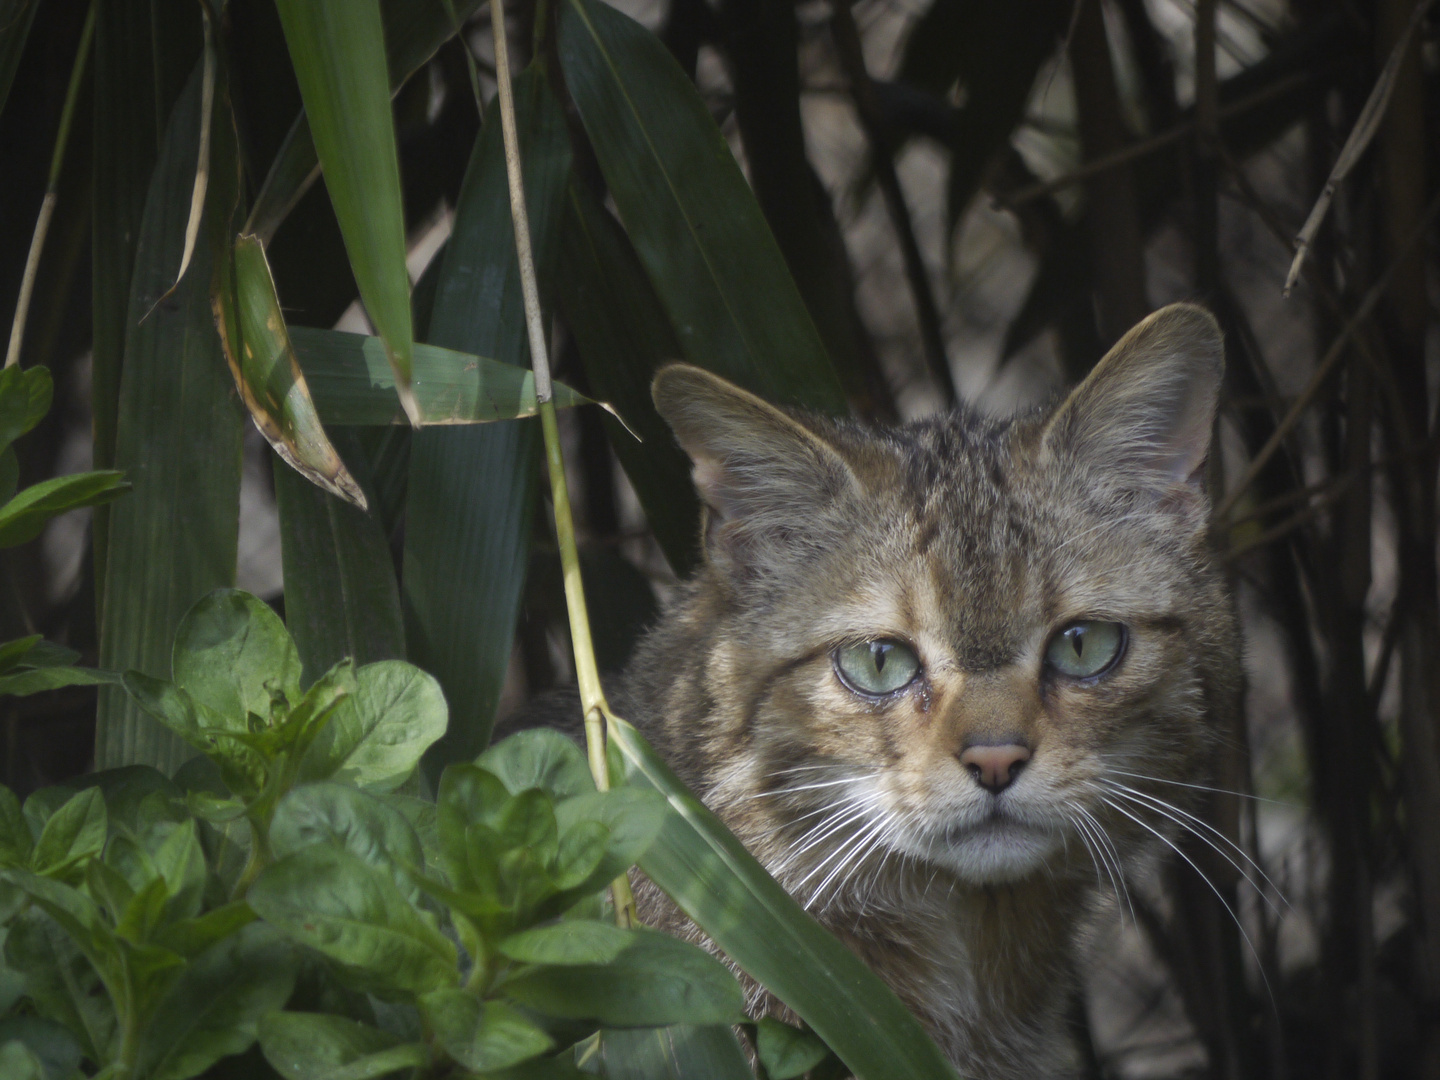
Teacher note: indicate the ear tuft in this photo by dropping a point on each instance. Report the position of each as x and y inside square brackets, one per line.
[1145, 413]
[763, 475]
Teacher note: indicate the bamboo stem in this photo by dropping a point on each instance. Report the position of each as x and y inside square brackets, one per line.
[587, 673]
[52, 187]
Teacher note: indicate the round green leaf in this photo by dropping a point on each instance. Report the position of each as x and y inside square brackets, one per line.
[348, 818]
[228, 647]
[575, 941]
[786, 1051]
[314, 1046]
[482, 1035]
[539, 758]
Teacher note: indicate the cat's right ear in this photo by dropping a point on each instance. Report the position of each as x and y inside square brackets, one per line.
[767, 481]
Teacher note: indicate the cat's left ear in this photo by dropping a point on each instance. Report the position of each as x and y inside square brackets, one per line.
[1145, 414]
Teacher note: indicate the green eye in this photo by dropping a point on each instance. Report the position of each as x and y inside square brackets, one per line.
[1084, 649]
[876, 667]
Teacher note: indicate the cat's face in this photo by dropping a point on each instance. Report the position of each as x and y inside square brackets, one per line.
[954, 640]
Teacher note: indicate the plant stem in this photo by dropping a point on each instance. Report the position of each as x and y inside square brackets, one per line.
[47, 206]
[587, 673]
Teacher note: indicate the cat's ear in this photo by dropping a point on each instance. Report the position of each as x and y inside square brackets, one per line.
[765, 478]
[1146, 412]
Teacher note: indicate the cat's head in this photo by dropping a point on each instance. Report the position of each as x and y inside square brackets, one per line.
[961, 639]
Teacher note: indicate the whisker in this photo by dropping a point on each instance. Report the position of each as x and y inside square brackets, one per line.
[1107, 845]
[1259, 964]
[1205, 787]
[772, 793]
[1170, 810]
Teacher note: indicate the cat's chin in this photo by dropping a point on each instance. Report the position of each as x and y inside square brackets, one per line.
[997, 851]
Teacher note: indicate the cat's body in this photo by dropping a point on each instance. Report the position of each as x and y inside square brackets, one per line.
[961, 830]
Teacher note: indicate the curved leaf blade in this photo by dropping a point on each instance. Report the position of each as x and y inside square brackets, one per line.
[728, 894]
[338, 50]
[693, 220]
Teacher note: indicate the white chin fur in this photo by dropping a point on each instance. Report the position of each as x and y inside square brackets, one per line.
[996, 852]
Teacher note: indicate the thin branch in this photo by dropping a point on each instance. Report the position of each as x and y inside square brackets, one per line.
[592, 697]
[52, 188]
[1366, 125]
[852, 62]
[1330, 360]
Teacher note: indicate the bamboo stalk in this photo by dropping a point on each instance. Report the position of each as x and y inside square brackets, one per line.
[52, 187]
[587, 673]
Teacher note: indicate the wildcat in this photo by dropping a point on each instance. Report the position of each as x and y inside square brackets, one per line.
[932, 675]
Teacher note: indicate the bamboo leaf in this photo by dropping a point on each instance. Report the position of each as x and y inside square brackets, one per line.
[693, 220]
[173, 540]
[351, 383]
[472, 491]
[268, 376]
[728, 894]
[23, 517]
[338, 50]
[414, 30]
[341, 595]
[623, 336]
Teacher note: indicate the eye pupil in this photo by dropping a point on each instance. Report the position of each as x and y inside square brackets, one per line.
[876, 667]
[1086, 648]
[878, 651]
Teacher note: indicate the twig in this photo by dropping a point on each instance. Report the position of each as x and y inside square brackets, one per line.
[52, 190]
[852, 62]
[1106, 162]
[592, 697]
[1329, 361]
[1366, 125]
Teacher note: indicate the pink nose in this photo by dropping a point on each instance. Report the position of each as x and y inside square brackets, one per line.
[995, 767]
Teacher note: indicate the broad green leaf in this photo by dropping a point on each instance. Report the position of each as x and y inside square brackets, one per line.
[214, 1007]
[580, 854]
[59, 980]
[268, 376]
[178, 440]
[74, 833]
[36, 680]
[376, 737]
[468, 795]
[18, 1062]
[15, 838]
[16, 17]
[348, 818]
[337, 48]
[575, 941]
[25, 393]
[23, 517]
[634, 816]
[539, 758]
[341, 594]
[785, 1051]
[680, 1052]
[189, 937]
[13, 652]
[315, 1046]
[78, 916]
[481, 1035]
[143, 914]
[351, 383]
[54, 1046]
[623, 336]
[355, 914]
[693, 220]
[528, 822]
[180, 861]
[728, 894]
[231, 651]
[656, 980]
[242, 768]
[472, 491]
[413, 32]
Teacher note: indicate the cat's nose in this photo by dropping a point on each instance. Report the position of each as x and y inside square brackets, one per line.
[995, 767]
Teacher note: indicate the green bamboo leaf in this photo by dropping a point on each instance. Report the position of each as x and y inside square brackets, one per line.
[692, 218]
[36, 680]
[624, 336]
[728, 894]
[351, 382]
[338, 50]
[481, 1035]
[179, 439]
[680, 1052]
[268, 376]
[23, 517]
[414, 30]
[215, 1006]
[472, 491]
[355, 914]
[341, 595]
[315, 1046]
[655, 980]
